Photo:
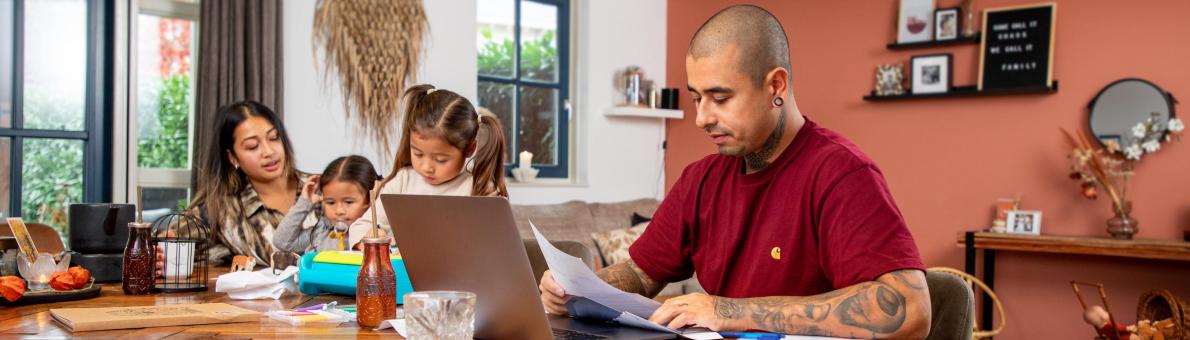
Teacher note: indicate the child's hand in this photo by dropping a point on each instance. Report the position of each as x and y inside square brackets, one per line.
[310, 190]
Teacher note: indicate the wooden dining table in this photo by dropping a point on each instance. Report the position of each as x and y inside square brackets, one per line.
[35, 322]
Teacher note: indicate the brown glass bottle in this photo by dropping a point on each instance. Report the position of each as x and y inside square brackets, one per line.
[376, 285]
[138, 260]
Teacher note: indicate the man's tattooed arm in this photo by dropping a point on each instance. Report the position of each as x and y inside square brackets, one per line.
[896, 305]
[629, 278]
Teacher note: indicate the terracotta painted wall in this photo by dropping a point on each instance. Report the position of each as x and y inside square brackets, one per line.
[948, 160]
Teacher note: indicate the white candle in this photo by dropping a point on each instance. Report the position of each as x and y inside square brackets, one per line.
[526, 160]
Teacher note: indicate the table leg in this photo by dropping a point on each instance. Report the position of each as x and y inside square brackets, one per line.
[969, 251]
[989, 278]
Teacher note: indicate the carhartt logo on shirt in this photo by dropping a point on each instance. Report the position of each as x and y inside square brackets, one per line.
[776, 253]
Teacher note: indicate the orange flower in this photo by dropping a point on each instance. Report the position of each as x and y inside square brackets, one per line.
[81, 276]
[62, 281]
[12, 288]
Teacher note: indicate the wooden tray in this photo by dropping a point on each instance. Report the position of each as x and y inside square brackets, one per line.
[50, 295]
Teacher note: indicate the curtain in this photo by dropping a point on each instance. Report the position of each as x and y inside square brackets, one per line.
[240, 57]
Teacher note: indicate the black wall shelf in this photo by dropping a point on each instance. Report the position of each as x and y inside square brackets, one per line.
[961, 40]
[966, 91]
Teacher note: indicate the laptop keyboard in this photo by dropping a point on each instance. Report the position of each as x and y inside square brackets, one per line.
[566, 334]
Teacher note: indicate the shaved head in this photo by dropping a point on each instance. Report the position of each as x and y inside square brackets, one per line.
[756, 34]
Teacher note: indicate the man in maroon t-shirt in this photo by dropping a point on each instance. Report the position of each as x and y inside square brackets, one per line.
[790, 228]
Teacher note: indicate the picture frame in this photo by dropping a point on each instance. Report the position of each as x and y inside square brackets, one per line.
[947, 24]
[931, 73]
[890, 80]
[915, 21]
[1024, 222]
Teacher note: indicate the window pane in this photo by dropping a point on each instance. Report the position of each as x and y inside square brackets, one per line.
[499, 99]
[5, 175]
[539, 44]
[51, 179]
[539, 124]
[162, 201]
[6, 34]
[55, 64]
[164, 94]
[496, 46]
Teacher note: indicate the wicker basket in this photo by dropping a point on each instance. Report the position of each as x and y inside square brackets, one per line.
[1160, 304]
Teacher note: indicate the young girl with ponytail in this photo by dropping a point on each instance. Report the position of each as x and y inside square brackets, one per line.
[441, 131]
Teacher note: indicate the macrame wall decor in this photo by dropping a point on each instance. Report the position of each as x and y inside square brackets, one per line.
[374, 48]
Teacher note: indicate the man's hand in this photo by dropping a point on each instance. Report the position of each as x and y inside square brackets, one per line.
[697, 310]
[552, 295]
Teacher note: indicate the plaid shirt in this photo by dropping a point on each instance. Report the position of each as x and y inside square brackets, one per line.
[249, 226]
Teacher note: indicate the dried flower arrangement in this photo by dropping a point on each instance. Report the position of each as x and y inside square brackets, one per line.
[1110, 167]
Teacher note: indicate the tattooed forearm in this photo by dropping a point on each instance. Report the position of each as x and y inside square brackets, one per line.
[874, 307]
[627, 277]
[890, 307]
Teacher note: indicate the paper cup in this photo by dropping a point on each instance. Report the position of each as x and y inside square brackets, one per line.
[179, 259]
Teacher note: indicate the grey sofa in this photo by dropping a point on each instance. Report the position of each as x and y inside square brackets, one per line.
[576, 221]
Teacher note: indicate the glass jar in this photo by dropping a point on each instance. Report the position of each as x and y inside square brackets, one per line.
[376, 285]
[137, 276]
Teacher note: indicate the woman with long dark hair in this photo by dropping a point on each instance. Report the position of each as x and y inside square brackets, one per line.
[247, 181]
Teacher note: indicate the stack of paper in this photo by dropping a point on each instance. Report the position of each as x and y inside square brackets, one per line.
[578, 280]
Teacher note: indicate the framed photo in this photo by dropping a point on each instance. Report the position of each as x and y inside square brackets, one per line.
[931, 73]
[946, 24]
[890, 79]
[1024, 222]
[915, 21]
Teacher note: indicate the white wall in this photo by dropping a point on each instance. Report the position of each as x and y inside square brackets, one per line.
[314, 112]
[618, 158]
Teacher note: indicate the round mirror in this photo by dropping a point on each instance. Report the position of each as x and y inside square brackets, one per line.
[1122, 105]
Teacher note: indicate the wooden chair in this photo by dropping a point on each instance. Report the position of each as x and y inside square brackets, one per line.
[45, 238]
[940, 302]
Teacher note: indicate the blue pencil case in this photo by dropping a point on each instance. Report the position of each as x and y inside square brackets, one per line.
[335, 272]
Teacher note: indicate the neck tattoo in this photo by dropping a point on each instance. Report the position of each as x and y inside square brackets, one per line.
[759, 159]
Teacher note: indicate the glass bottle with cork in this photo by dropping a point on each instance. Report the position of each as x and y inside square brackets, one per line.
[376, 285]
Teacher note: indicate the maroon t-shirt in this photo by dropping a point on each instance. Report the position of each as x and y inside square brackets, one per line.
[819, 218]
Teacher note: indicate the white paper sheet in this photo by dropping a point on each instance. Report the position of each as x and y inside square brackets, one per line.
[577, 279]
[261, 284]
[396, 324]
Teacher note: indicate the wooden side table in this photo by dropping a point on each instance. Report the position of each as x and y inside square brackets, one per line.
[989, 242]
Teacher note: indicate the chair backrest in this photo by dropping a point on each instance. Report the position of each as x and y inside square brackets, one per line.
[972, 283]
[952, 305]
[537, 260]
[45, 238]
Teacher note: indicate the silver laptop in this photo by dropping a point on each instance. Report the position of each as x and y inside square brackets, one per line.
[472, 244]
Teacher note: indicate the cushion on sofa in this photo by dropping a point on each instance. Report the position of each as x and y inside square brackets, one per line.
[613, 244]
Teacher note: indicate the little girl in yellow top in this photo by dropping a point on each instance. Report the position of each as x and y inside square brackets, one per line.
[441, 131]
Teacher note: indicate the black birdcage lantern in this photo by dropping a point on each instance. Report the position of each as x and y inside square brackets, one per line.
[184, 241]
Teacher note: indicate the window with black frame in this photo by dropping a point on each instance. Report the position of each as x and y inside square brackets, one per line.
[523, 59]
[52, 107]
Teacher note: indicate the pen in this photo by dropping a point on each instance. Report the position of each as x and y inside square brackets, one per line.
[751, 335]
[310, 308]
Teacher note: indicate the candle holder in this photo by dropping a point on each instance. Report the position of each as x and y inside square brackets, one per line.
[184, 240]
[524, 174]
[40, 271]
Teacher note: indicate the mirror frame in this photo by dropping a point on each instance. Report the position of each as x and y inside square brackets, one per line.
[1169, 101]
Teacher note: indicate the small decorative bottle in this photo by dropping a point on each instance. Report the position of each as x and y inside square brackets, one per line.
[376, 286]
[138, 260]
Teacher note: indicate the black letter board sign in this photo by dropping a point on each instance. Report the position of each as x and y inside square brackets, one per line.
[1018, 47]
